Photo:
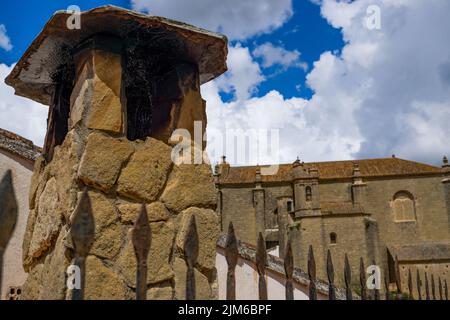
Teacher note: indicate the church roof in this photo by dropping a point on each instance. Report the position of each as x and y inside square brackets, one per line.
[330, 170]
[18, 145]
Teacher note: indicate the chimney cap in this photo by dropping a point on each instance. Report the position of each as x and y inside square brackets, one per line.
[32, 75]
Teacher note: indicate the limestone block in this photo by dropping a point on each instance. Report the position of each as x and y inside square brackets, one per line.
[146, 173]
[96, 98]
[202, 287]
[156, 211]
[184, 112]
[102, 160]
[64, 167]
[27, 239]
[190, 185]
[33, 285]
[159, 268]
[192, 108]
[82, 102]
[105, 109]
[102, 283]
[208, 232]
[48, 222]
[160, 291]
[36, 180]
[54, 272]
[108, 231]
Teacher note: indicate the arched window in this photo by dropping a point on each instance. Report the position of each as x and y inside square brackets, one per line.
[333, 238]
[404, 207]
[308, 193]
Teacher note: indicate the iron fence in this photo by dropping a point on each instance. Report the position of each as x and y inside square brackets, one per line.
[83, 232]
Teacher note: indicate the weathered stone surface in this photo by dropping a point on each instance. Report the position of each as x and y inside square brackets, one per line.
[156, 212]
[108, 231]
[36, 179]
[48, 221]
[105, 109]
[32, 286]
[27, 239]
[159, 268]
[64, 167]
[190, 185]
[102, 160]
[82, 95]
[161, 291]
[202, 287]
[54, 272]
[95, 99]
[192, 108]
[146, 173]
[102, 283]
[208, 232]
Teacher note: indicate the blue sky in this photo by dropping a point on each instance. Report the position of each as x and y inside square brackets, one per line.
[380, 92]
[306, 31]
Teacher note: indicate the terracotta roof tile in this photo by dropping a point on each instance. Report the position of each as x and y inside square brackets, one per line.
[18, 145]
[337, 170]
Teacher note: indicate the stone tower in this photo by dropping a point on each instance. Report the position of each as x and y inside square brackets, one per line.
[117, 88]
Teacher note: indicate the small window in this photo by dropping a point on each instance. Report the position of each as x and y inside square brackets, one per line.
[333, 238]
[404, 207]
[290, 206]
[308, 193]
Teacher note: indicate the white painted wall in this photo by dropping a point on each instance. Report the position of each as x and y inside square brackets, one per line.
[247, 281]
[13, 273]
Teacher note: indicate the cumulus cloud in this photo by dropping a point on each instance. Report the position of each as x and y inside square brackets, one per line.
[244, 74]
[22, 116]
[5, 42]
[278, 56]
[302, 127]
[387, 91]
[238, 19]
[396, 78]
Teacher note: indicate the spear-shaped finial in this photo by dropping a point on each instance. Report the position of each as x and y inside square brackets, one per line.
[141, 238]
[289, 271]
[231, 255]
[347, 278]
[362, 279]
[419, 284]
[191, 249]
[330, 276]
[82, 232]
[261, 261]
[312, 274]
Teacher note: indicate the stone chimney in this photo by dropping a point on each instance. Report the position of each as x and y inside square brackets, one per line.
[117, 89]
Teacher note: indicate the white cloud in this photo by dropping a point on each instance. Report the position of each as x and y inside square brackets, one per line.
[394, 82]
[244, 74]
[5, 42]
[272, 55]
[238, 19]
[387, 92]
[20, 115]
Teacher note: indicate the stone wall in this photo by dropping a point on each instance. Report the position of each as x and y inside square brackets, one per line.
[119, 176]
[365, 235]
